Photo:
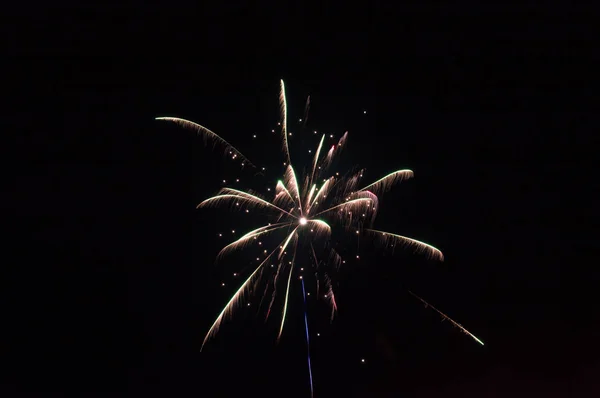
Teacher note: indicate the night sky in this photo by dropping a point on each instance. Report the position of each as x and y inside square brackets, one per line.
[113, 284]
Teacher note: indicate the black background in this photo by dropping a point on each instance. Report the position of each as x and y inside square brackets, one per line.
[111, 284]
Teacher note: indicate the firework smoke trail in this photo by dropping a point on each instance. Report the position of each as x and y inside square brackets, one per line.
[307, 340]
[444, 316]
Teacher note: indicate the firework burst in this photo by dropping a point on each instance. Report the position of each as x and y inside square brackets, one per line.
[303, 213]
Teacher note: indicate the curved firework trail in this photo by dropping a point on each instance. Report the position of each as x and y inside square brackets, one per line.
[304, 211]
[446, 317]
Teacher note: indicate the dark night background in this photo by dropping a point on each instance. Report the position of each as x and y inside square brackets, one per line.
[111, 285]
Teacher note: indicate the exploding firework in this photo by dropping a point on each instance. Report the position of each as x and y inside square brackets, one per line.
[303, 212]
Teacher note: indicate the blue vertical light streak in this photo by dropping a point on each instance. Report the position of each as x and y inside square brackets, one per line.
[307, 340]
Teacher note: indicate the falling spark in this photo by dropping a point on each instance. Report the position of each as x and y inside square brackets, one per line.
[446, 317]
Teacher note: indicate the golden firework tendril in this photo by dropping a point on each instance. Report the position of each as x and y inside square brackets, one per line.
[447, 318]
[209, 136]
[309, 213]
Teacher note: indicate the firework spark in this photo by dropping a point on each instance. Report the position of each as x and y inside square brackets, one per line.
[307, 212]
[446, 317]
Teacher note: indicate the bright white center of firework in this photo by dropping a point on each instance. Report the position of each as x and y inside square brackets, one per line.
[302, 220]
